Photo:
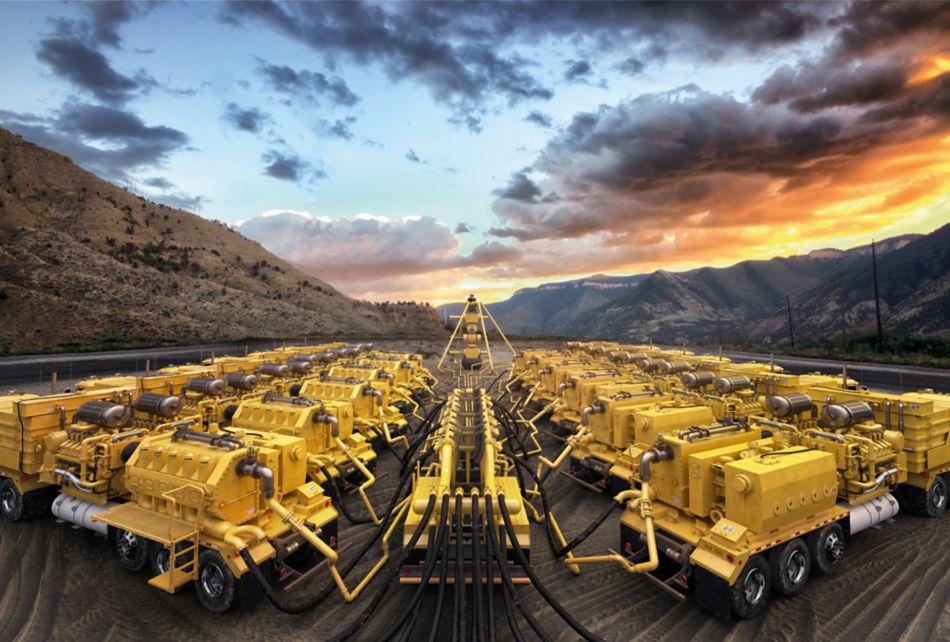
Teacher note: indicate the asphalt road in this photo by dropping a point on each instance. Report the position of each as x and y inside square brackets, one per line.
[36, 370]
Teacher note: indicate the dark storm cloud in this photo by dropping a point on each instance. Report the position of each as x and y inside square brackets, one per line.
[410, 42]
[88, 69]
[577, 70]
[310, 86]
[869, 27]
[182, 201]
[290, 167]
[339, 128]
[632, 66]
[159, 182]
[693, 158]
[109, 141]
[105, 18]
[248, 120]
[540, 119]
[932, 100]
[520, 188]
[813, 87]
[466, 53]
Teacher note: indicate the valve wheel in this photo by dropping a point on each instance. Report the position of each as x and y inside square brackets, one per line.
[132, 550]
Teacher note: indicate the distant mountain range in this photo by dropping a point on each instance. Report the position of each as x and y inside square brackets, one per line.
[747, 300]
[550, 308]
[86, 264]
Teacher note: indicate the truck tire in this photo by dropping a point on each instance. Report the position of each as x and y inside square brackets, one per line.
[12, 504]
[791, 565]
[216, 585]
[930, 503]
[749, 595]
[826, 546]
[133, 550]
[159, 557]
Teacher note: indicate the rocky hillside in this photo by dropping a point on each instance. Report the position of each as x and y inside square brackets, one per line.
[676, 306]
[549, 308]
[85, 264]
[747, 299]
[914, 282]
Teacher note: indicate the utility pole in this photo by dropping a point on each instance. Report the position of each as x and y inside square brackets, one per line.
[791, 331]
[877, 300]
[844, 332]
[719, 324]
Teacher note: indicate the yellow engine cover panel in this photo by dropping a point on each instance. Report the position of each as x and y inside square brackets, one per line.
[649, 423]
[770, 491]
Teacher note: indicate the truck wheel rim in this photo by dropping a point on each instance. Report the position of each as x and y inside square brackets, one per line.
[938, 496]
[795, 568]
[212, 581]
[834, 548]
[127, 545]
[8, 499]
[753, 587]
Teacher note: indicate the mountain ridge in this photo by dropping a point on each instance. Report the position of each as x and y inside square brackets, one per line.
[86, 263]
[749, 297]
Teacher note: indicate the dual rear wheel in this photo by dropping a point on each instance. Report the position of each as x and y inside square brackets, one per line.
[216, 585]
[785, 570]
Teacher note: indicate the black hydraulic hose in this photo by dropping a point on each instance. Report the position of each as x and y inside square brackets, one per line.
[459, 628]
[388, 446]
[536, 582]
[476, 573]
[509, 615]
[490, 577]
[320, 597]
[337, 497]
[426, 427]
[495, 380]
[506, 579]
[428, 568]
[440, 599]
[393, 576]
[557, 549]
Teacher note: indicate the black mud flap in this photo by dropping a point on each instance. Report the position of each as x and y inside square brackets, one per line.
[712, 592]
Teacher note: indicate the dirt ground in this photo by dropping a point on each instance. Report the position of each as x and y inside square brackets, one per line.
[57, 582]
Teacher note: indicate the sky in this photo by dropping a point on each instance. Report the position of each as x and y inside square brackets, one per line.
[427, 150]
